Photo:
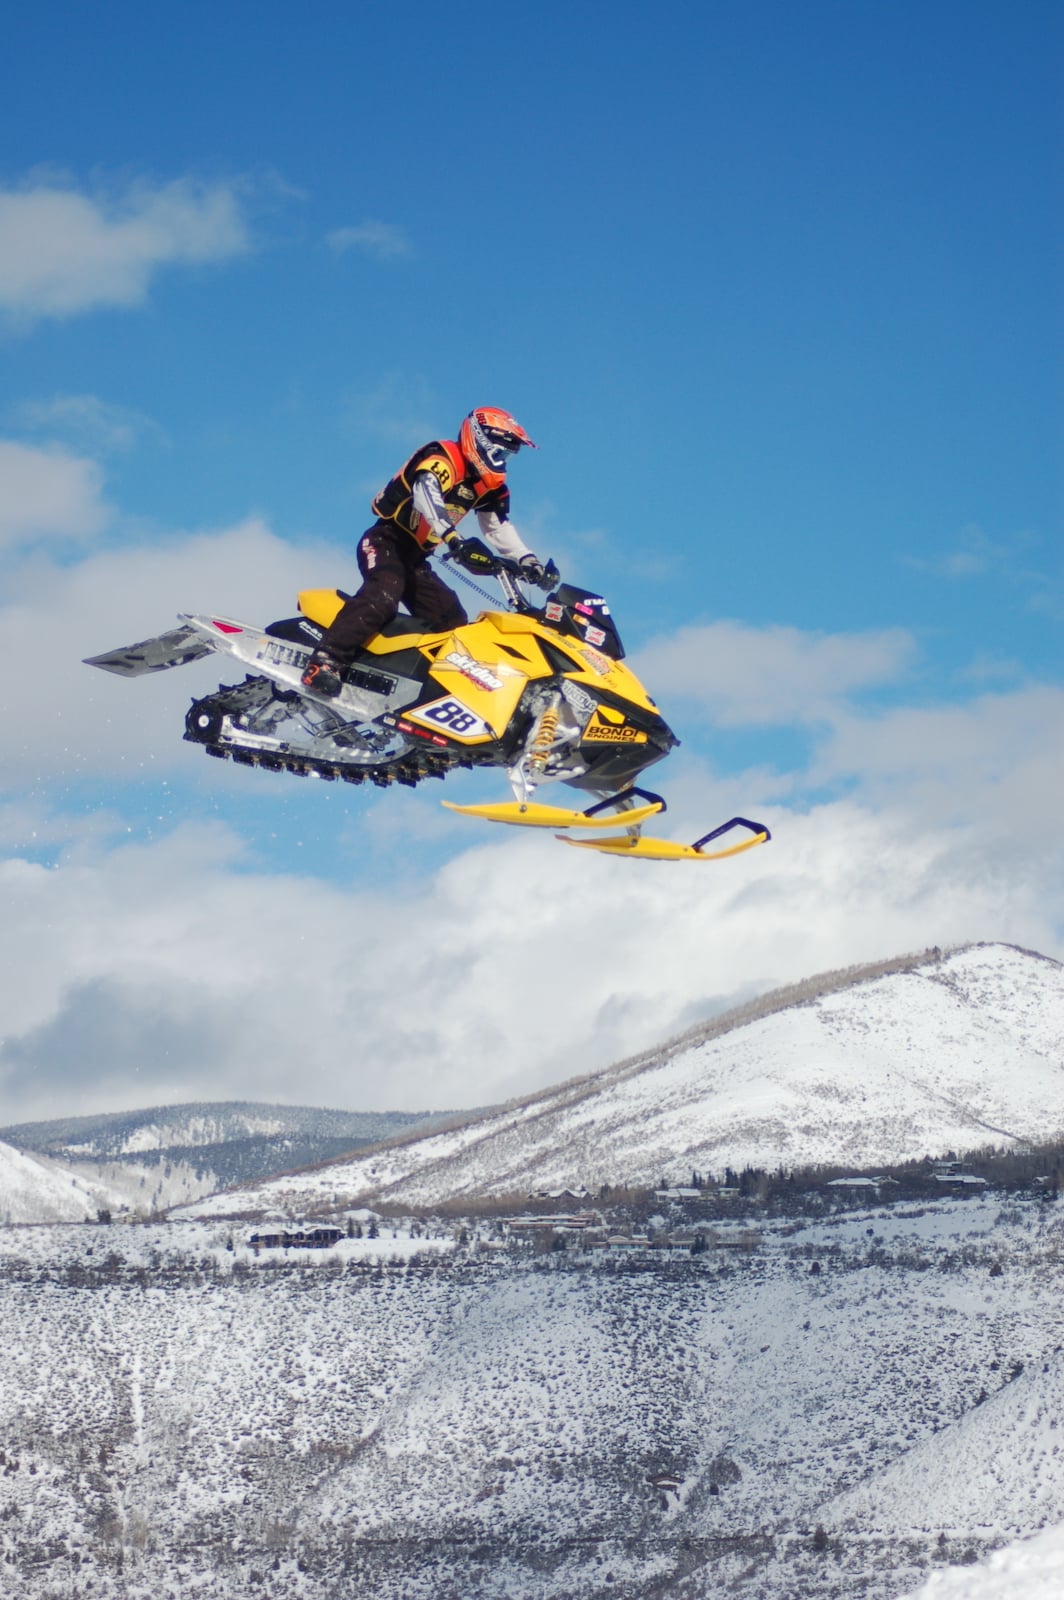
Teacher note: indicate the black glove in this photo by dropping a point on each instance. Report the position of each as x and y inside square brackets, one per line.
[474, 555]
[533, 571]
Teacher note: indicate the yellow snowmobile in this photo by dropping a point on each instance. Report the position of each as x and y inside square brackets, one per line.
[541, 691]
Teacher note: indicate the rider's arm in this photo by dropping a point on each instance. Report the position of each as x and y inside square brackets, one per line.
[502, 535]
[429, 503]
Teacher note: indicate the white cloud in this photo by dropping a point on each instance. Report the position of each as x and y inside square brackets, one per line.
[138, 973]
[382, 240]
[740, 675]
[90, 422]
[48, 494]
[999, 756]
[90, 721]
[64, 252]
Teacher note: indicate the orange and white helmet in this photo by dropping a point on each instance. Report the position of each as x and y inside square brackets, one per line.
[487, 437]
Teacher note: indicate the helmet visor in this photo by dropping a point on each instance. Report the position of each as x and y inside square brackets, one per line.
[494, 446]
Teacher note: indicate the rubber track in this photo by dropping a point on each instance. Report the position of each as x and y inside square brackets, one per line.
[407, 770]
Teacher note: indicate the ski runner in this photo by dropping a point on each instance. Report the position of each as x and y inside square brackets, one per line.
[416, 511]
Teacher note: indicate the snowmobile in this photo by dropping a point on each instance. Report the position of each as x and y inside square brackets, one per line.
[542, 692]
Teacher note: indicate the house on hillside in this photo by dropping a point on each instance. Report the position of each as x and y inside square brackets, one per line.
[953, 1179]
[866, 1188]
[666, 1484]
[319, 1238]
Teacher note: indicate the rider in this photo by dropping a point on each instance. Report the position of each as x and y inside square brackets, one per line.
[416, 511]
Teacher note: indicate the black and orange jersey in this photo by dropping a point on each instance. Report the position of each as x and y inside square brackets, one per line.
[460, 489]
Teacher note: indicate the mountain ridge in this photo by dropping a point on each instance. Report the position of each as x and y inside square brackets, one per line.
[883, 1062]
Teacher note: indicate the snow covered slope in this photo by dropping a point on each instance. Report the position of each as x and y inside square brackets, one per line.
[38, 1191]
[999, 1469]
[410, 1416]
[1030, 1569]
[881, 1065]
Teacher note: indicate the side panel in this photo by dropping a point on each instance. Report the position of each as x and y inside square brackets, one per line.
[475, 668]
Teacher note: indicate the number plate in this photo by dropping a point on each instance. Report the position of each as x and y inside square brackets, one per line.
[451, 717]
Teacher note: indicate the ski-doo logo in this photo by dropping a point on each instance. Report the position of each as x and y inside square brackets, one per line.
[475, 671]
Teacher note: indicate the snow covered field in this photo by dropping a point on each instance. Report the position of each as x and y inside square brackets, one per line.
[834, 1413]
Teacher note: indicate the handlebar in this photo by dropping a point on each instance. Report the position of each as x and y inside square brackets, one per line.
[474, 556]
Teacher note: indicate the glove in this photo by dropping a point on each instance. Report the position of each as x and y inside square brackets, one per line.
[474, 555]
[533, 571]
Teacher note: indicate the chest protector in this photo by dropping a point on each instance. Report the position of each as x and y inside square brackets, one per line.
[462, 491]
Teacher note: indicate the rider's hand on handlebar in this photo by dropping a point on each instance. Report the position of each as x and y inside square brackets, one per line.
[533, 571]
[474, 555]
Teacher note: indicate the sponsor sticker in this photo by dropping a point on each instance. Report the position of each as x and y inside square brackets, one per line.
[595, 636]
[476, 671]
[598, 663]
[582, 702]
[601, 731]
[283, 655]
[553, 611]
[450, 716]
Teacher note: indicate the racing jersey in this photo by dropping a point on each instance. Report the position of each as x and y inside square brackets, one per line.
[435, 489]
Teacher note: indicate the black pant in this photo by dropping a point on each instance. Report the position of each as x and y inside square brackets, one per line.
[395, 571]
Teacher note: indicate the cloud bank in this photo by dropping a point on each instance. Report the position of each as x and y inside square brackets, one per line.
[63, 252]
[48, 494]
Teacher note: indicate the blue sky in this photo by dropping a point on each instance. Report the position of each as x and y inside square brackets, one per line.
[776, 289]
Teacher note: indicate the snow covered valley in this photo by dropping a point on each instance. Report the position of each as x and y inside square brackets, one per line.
[840, 1408]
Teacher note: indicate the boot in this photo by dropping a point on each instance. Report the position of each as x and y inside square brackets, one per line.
[323, 674]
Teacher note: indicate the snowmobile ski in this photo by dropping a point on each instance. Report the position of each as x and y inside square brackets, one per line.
[633, 845]
[534, 816]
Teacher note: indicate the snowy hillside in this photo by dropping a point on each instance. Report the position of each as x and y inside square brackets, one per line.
[217, 1144]
[932, 1054]
[1030, 1569]
[410, 1416]
[35, 1191]
[999, 1468]
[35, 1188]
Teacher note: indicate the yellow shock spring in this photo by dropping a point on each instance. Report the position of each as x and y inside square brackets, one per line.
[543, 743]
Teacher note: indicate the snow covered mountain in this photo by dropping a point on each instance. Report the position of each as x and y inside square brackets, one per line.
[221, 1143]
[35, 1188]
[876, 1065]
[36, 1191]
[852, 1402]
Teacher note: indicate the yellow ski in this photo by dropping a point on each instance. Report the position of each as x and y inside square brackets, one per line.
[537, 816]
[668, 850]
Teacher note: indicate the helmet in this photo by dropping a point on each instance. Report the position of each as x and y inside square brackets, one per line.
[487, 437]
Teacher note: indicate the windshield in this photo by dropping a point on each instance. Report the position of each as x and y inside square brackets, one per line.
[584, 615]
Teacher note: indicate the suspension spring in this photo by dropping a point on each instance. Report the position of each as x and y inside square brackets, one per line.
[543, 743]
